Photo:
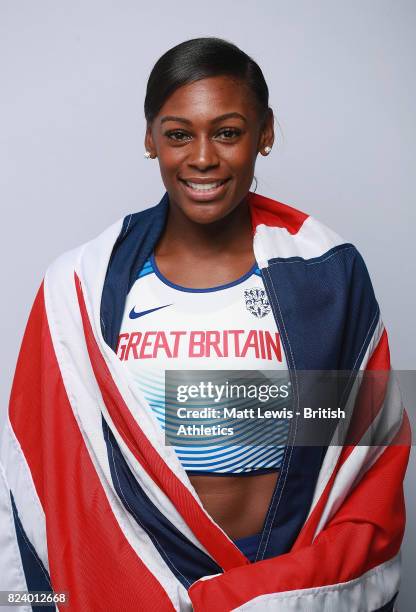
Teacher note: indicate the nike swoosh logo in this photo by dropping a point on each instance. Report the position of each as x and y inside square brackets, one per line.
[135, 315]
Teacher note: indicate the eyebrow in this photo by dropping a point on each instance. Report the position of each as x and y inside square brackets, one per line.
[216, 120]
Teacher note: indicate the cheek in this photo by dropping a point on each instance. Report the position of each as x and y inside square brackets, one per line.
[242, 157]
[242, 164]
[240, 160]
[170, 161]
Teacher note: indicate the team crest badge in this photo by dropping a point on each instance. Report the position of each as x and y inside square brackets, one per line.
[257, 302]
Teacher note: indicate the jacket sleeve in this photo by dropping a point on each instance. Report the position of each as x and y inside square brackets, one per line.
[347, 554]
[351, 565]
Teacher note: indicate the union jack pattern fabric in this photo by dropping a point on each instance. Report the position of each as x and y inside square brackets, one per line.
[92, 501]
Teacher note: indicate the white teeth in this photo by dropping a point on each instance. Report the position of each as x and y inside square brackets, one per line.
[205, 186]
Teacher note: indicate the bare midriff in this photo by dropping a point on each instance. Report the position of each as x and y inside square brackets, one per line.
[238, 504]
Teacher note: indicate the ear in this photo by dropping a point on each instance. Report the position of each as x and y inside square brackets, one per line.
[149, 143]
[266, 138]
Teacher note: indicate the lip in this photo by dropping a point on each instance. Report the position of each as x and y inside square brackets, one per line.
[207, 195]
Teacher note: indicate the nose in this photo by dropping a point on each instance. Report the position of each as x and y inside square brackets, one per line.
[203, 155]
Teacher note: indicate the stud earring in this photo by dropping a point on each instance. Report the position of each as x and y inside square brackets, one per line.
[147, 154]
[267, 150]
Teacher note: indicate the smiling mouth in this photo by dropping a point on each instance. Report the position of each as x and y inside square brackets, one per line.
[204, 187]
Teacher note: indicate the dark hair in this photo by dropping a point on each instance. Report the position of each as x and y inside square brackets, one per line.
[198, 59]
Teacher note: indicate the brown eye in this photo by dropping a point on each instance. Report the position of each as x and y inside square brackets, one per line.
[228, 133]
[178, 136]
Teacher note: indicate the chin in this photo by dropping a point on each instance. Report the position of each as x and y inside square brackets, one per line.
[206, 213]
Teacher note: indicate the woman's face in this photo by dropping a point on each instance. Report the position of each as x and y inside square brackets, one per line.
[206, 137]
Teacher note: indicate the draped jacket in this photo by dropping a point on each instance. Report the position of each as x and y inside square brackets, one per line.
[92, 501]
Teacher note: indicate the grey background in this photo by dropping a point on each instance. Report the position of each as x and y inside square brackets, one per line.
[341, 77]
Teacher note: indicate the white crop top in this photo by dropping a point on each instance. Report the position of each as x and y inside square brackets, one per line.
[231, 327]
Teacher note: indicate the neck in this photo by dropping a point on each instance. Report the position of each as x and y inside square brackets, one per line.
[182, 236]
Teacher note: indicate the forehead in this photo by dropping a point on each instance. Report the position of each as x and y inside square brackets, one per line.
[208, 98]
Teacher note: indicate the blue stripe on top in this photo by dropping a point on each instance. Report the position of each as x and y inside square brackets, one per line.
[152, 262]
[150, 267]
[147, 269]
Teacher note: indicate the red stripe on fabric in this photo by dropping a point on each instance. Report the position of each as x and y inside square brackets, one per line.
[225, 553]
[378, 361]
[25, 408]
[89, 556]
[372, 392]
[265, 211]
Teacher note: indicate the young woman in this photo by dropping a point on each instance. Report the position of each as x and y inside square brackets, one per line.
[214, 277]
